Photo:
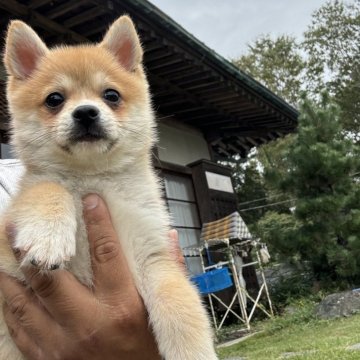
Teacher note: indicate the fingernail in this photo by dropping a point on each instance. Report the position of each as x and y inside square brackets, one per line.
[91, 202]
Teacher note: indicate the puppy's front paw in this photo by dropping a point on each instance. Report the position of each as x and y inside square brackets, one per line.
[48, 247]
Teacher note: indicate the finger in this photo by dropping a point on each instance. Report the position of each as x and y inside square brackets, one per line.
[63, 296]
[25, 308]
[20, 336]
[58, 291]
[111, 272]
[175, 248]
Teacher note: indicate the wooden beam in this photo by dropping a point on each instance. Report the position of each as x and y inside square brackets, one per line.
[182, 74]
[162, 62]
[203, 84]
[233, 148]
[223, 88]
[191, 114]
[64, 8]
[241, 133]
[236, 101]
[84, 17]
[238, 118]
[22, 11]
[170, 68]
[227, 96]
[222, 150]
[245, 115]
[237, 109]
[34, 4]
[251, 141]
[153, 45]
[96, 29]
[191, 98]
[160, 92]
[204, 115]
[157, 54]
[189, 109]
[243, 145]
[181, 81]
[165, 104]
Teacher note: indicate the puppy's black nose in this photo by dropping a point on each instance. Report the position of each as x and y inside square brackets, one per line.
[87, 124]
[86, 115]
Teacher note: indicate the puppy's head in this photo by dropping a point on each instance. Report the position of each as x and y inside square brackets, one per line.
[81, 106]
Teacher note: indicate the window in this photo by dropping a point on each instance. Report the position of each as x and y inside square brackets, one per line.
[183, 209]
[6, 151]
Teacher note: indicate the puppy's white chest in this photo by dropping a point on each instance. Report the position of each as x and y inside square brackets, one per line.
[137, 214]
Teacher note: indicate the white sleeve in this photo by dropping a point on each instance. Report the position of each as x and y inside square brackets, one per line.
[11, 171]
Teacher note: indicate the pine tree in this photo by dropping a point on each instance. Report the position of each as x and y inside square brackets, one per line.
[321, 162]
[251, 193]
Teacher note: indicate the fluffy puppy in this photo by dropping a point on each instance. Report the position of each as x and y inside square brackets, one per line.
[82, 123]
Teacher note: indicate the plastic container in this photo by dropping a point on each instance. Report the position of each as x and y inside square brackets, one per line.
[213, 281]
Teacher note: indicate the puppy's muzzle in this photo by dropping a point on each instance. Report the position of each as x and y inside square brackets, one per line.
[87, 125]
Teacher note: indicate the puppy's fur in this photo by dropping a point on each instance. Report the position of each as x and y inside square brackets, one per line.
[113, 159]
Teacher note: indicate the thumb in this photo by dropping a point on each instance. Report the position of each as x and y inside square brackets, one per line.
[108, 262]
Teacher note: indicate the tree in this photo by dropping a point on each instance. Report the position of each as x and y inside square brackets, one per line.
[332, 46]
[321, 162]
[274, 155]
[328, 59]
[279, 231]
[250, 193]
[319, 165]
[278, 64]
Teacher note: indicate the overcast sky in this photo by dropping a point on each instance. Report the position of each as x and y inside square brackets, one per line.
[227, 26]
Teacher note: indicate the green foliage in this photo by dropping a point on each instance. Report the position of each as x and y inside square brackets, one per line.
[332, 45]
[277, 230]
[332, 42]
[303, 312]
[319, 166]
[324, 228]
[327, 59]
[289, 289]
[250, 186]
[320, 159]
[277, 63]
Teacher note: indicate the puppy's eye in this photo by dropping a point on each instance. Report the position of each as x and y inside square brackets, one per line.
[53, 100]
[111, 96]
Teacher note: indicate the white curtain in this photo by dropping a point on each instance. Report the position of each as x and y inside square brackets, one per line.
[179, 187]
[184, 215]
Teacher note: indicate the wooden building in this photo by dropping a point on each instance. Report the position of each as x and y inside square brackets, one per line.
[207, 109]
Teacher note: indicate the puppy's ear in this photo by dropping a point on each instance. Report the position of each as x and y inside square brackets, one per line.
[23, 50]
[123, 42]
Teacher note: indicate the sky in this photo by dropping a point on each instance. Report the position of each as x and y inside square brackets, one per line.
[227, 26]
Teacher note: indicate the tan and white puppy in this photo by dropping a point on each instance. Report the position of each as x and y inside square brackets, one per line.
[82, 123]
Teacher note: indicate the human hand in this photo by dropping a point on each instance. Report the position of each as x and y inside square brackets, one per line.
[59, 318]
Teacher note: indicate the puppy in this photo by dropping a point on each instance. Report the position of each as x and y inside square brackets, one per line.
[83, 123]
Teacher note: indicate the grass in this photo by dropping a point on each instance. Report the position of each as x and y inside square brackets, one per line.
[300, 332]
